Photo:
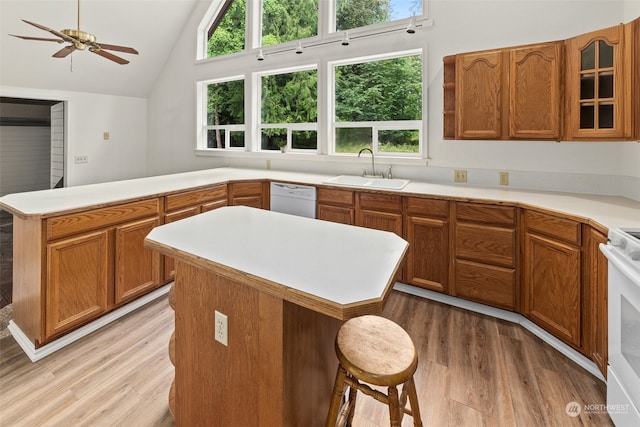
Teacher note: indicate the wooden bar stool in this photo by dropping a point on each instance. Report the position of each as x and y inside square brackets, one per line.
[374, 350]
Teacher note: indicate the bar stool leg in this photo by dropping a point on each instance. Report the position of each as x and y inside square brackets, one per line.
[394, 407]
[413, 400]
[353, 392]
[336, 399]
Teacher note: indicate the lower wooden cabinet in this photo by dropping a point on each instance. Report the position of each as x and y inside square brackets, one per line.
[552, 277]
[486, 254]
[336, 205]
[77, 281]
[137, 269]
[595, 321]
[427, 231]
[252, 193]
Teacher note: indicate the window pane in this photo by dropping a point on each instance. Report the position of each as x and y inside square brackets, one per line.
[215, 138]
[304, 139]
[359, 13]
[399, 141]
[384, 90]
[352, 140]
[236, 139]
[226, 35]
[272, 139]
[287, 20]
[225, 103]
[588, 57]
[606, 54]
[290, 98]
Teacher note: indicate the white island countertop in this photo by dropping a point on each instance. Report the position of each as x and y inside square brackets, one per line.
[335, 269]
[606, 211]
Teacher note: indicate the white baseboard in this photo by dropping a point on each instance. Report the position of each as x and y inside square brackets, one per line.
[36, 354]
[536, 330]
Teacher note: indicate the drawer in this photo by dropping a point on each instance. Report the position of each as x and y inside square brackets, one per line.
[560, 228]
[195, 197]
[335, 197]
[431, 208]
[486, 214]
[66, 225]
[242, 189]
[491, 245]
[486, 284]
[381, 202]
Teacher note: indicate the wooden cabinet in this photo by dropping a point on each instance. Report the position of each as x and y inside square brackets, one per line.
[595, 322]
[513, 93]
[602, 84]
[536, 91]
[583, 88]
[381, 211]
[188, 203]
[96, 261]
[336, 205]
[485, 249]
[77, 281]
[552, 275]
[427, 231]
[250, 193]
[480, 84]
[137, 269]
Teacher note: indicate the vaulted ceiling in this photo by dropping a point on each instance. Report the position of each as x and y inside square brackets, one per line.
[150, 26]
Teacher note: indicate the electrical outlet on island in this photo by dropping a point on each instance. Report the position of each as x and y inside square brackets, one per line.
[221, 328]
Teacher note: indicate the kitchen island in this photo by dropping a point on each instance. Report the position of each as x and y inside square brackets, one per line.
[285, 283]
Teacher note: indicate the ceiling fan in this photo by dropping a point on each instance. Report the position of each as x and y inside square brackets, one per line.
[80, 40]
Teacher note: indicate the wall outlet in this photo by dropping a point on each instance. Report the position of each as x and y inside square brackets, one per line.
[460, 175]
[220, 325]
[504, 178]
[81, 159]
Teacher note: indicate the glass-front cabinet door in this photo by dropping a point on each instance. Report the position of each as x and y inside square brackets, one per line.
[598, 102]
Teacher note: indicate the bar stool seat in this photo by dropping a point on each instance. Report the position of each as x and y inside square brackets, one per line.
[377, 351]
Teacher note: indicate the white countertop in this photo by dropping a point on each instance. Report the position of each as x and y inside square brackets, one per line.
[608, 211]
[339, 263]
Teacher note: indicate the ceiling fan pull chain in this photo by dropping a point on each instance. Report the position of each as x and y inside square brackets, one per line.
[71, 63]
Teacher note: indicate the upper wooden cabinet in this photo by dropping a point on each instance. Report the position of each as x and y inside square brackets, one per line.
[507, 93]
[479, 87]
[600, 84]
[584, 88]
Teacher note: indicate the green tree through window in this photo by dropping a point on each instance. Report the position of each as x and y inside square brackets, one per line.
[227, 33]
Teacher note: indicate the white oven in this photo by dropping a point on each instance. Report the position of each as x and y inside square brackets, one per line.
[623, 372]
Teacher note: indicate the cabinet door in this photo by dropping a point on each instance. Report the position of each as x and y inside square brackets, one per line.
[595, 321]
[428, 255]
[552, 282]
[535, 96]
[250, 193]
[137, 268]
[336, 214]
[385, 221]
[598, 102]
[479, 92]
[77, 281]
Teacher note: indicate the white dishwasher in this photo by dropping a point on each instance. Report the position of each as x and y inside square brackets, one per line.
[293, 199]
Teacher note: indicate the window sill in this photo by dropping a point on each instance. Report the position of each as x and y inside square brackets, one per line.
[297, 156]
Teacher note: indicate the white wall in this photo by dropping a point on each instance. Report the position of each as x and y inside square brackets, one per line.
[88, 115]
[24, 158]
[458, 26]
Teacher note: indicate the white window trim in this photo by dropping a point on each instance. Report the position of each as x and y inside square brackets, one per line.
[201, 116]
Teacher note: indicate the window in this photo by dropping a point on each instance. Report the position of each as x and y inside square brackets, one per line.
[225, 115]
[378, 104]
[226, 33]
[289, 110]
[287, 20]
[352, 14]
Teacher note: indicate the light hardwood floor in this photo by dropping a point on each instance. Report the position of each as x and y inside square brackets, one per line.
[473, 371]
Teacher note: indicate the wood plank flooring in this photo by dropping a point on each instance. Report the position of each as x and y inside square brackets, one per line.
[473, 371]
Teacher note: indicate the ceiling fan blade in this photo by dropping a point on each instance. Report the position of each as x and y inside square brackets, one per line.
[110, 56]
[54, 32]
[38, 38]
[64, 51]
[117, 48]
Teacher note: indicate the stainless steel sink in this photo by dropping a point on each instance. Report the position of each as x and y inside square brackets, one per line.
[366, 182]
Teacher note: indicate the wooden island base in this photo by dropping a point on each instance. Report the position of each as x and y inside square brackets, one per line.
[279, 365]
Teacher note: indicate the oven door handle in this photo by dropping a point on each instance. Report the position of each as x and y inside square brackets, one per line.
[620, 262]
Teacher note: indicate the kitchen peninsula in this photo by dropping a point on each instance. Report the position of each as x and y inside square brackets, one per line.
[284, 283]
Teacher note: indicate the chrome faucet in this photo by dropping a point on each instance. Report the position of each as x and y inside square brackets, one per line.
[373, 164]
